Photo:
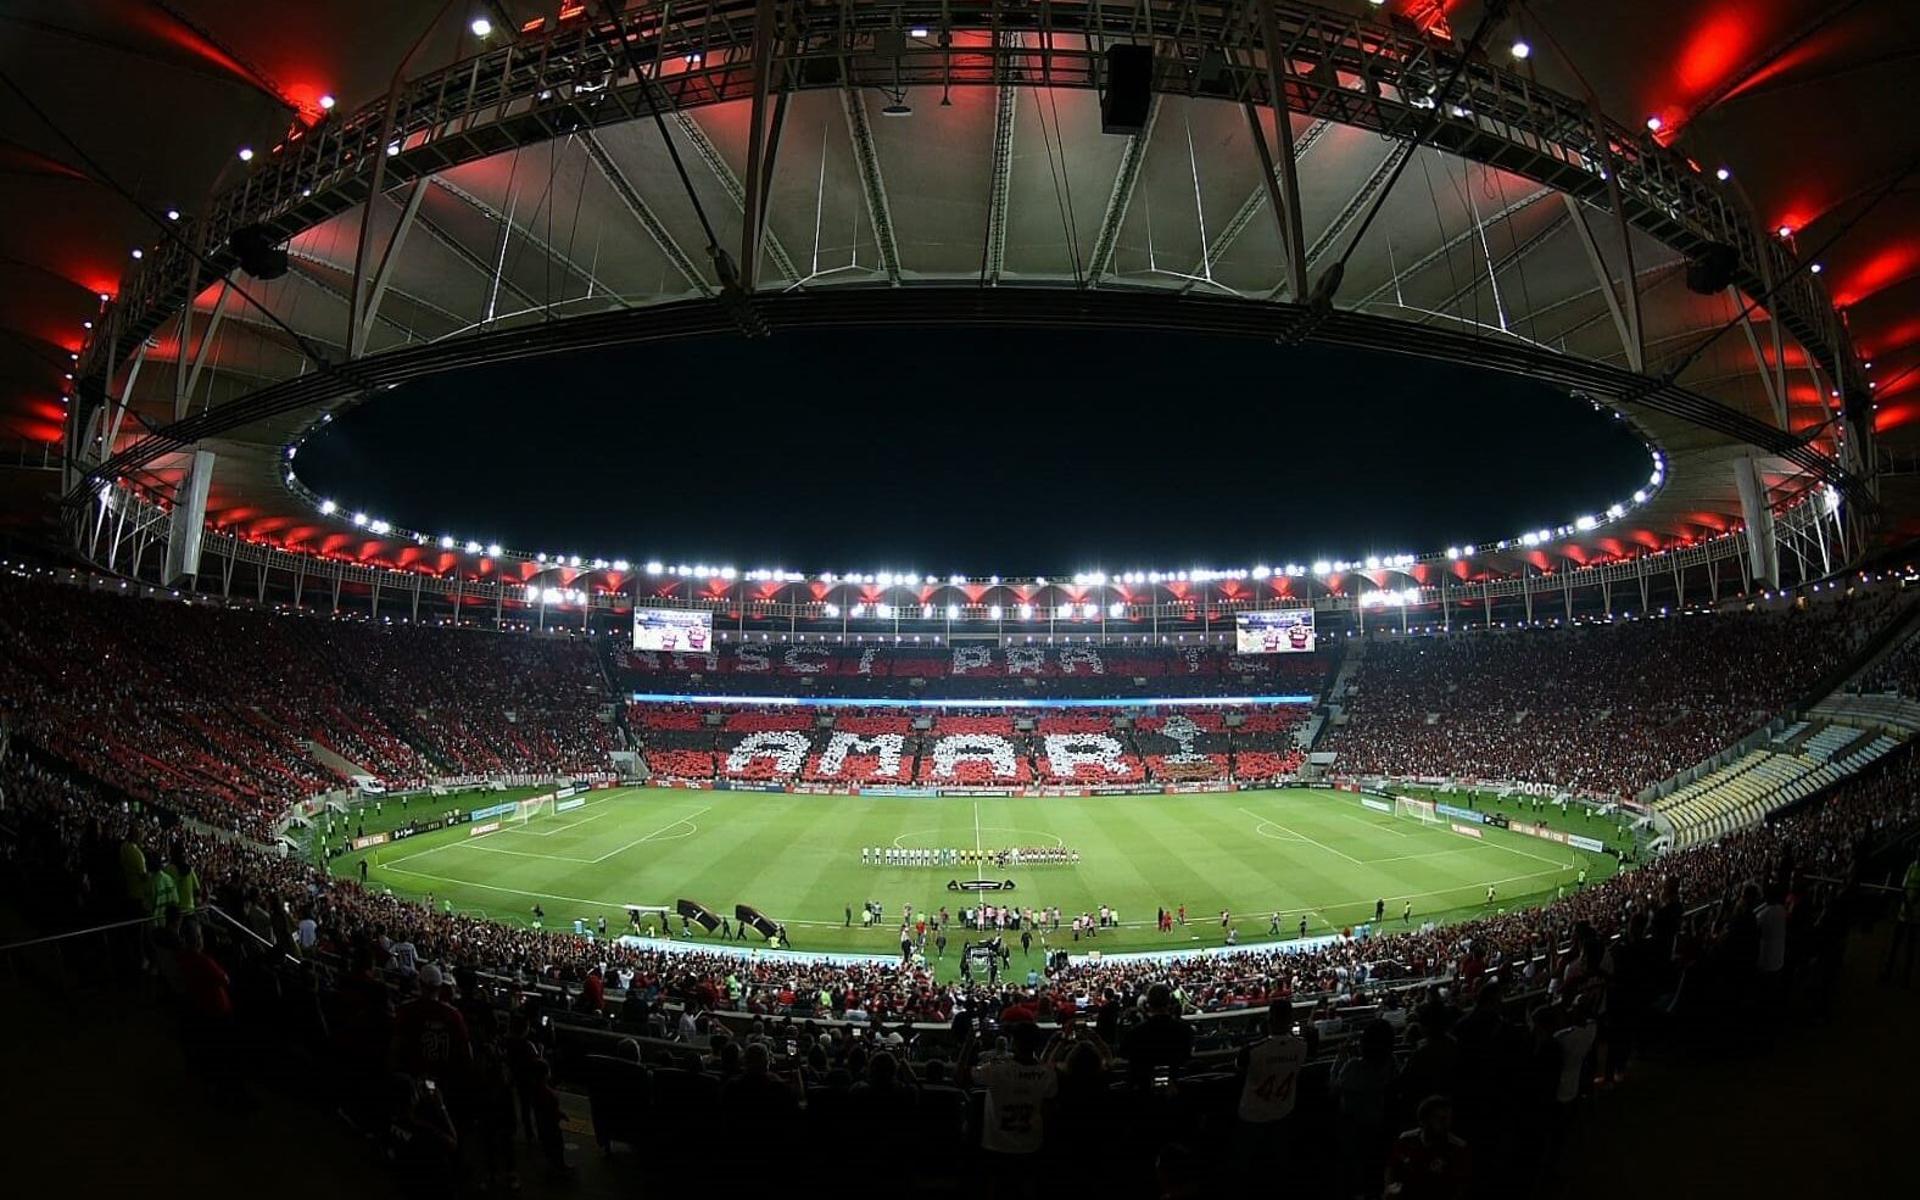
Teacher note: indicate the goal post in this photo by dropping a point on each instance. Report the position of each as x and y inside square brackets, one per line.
[1418, 810]
[534, 806]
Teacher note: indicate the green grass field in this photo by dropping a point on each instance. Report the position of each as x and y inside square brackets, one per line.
[797, 858]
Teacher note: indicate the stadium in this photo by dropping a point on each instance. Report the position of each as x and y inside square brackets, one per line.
[1260, 597]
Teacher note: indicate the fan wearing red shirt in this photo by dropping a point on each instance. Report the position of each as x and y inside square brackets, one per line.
[429, 1035]
[1428, 1162]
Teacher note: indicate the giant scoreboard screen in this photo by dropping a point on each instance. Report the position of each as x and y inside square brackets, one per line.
[1274, 631]
[673, 629]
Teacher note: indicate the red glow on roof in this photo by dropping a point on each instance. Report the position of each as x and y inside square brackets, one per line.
[1429, 16]
[156, 23]
[1719, 46]
[1893, 416]
[1888, 266]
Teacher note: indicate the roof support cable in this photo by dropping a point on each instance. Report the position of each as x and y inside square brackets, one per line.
[1329, 284]
[733, 294]
[1805, 263]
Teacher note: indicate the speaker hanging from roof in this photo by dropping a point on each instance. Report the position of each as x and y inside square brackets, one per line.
[259, 257]
[1123, 109]
[1710, 271]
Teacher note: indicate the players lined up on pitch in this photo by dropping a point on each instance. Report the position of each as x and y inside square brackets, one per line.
[1012, 856]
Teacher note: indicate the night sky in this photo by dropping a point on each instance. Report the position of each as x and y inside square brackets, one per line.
[982, 451]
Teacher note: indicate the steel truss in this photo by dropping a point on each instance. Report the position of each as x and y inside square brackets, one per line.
[124, 525]
[1353, 69]
[951, 307]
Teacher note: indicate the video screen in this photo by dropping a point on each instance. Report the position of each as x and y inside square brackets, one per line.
[680, 630]
[1276, 631]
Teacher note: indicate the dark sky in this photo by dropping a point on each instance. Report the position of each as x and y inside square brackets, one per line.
[982, 451]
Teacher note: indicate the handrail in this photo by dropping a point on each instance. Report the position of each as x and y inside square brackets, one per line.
[230, 919]
[75, 933]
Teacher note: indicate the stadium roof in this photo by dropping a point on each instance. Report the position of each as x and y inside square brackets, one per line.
[539, 207]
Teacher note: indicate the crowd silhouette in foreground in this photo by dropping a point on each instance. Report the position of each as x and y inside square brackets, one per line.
[446, 1036]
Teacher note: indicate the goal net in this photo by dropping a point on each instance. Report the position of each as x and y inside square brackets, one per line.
[1419, 810]
[534, 807]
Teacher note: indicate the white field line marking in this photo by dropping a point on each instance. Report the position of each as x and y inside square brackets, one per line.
[979, 867]
[1530, 854]
[1462, 849]
[474, 844]
[508, 890]
[1384, 825]
[1317, 910]
[549, 857]
[1303, 837]
[1260, 830]
[686, 820]
[562, 827]
[541, 855]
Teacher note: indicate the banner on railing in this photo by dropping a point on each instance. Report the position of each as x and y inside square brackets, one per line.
[1459, 814]
[372, 839]
[493, 810]
[1591, 845]
[569, 805]
[1376, 805]
[1539, 831]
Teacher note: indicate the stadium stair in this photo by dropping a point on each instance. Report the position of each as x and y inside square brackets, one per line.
[334, 761]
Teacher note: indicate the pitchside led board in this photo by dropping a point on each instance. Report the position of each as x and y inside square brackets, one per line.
[674, 629]
[1276, 631]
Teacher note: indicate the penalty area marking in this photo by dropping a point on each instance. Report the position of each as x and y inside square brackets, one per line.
[1262, 830]
[658, 833]
[1303, 837]
[561, 826]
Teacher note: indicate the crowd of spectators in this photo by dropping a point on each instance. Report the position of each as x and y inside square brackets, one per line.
[1698, 941]
[1897, 672]
[1606, 710]
[969, 670]
[231, 715]
[1089, 746]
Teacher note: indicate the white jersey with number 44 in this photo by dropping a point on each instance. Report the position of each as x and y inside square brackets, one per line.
[1273, 1066]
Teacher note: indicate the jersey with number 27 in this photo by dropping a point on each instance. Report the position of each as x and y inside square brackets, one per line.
[1015, 1095]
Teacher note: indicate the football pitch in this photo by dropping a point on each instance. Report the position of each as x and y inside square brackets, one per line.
[1292, 851]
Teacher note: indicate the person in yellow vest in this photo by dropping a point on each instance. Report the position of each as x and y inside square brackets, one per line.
[1906, 928]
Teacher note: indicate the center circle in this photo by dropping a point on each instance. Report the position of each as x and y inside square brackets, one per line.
[899, 843]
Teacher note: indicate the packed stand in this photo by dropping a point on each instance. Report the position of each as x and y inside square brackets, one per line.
[223, 713]
[1706, 943]
[994, 748]
[1605, 710]
[969, 670]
